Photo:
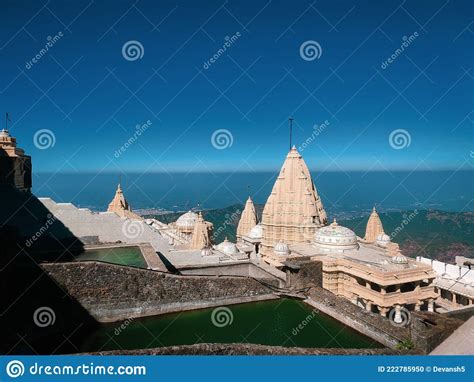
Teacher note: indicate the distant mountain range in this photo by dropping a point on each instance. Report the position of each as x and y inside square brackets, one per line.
[435, 234]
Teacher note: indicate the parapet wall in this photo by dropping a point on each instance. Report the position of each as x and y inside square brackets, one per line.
[112, 292]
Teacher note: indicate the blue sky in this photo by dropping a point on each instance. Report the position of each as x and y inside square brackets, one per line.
[91, 98]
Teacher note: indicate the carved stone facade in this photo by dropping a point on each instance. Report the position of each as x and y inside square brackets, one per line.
[293, 211]
[248, 219]
[15, 166]
[374, 227]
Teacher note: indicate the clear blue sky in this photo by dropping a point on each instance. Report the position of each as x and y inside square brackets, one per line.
[91, 97]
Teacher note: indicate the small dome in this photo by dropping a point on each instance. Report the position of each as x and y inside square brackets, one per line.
[335, 238]
[256, 232]
[383, 239]
[4, 133]
[206, 252]
[281, 249]
[227, 247]
[399, 259]
[187, 220]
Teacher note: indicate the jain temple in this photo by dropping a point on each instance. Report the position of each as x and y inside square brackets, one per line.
[293, 250]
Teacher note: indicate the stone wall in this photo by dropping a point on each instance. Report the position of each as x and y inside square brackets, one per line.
[304, 273]
[112, 292]
[248, 349]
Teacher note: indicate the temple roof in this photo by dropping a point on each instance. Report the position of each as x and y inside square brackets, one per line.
[248, 219]
[200, 238]
[374, 227]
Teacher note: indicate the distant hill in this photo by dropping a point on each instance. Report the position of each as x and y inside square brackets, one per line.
[435, 234]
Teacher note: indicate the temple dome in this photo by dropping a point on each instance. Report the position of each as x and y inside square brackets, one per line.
[4, 133]
[399, 259]
[382, 239]
[256, 232]
[187, 220]
[335, 238]
[281, 249]
[227, 247]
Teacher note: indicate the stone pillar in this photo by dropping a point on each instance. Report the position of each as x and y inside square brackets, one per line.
[367, 285]
[417, 286]
[398, 288]
[368, 306]
[398, 317]
[430, 305]
[453, 299]
[417, 306]
[383, 311]
[383, 290]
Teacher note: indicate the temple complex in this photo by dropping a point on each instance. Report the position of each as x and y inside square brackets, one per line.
[15, 166]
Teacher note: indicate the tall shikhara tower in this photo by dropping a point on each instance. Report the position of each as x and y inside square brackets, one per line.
[293, 210]
[248, 220]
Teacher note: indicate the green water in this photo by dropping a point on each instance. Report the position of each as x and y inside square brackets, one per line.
[267, 323]
[123, 256]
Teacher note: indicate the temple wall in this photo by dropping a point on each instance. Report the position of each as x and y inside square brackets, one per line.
[112, 292]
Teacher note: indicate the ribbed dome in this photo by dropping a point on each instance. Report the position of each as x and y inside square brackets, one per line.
[281, 249]
[256, 232]
[335, 238]
[187, 220]
[227, 247]
[383, 239]
[399, 259]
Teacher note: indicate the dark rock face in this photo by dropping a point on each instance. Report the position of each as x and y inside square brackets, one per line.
[112, 292]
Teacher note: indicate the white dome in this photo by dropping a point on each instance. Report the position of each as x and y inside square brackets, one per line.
[227, 247]
[187, 220]
[256, 232]
[383, 239]
[399, 259]
[335, 238]
[206, 252]
[281, 249]
[4, 133]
